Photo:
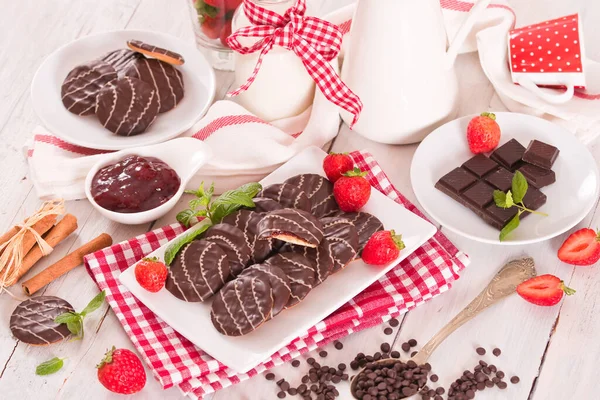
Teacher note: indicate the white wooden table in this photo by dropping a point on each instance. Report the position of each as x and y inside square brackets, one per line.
[553, 350]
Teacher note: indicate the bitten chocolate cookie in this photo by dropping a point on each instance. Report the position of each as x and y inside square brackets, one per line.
[82, 85]
[198, 271]
[278, 280]
[366, 225]
[300, 272]
[247, 222]
[32, 322]
[341, 238]
[121, 60]
[155, 52]
[292, 226]
[127, 106]
[166, 80]
[233, 242]
[320, 192]
[263, 204]
[242, 305]
[289, 196]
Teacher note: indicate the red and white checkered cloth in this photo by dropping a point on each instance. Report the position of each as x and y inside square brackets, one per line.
[429, 271]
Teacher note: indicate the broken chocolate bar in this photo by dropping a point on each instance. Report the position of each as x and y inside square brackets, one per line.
[538, 177]
[540, 154]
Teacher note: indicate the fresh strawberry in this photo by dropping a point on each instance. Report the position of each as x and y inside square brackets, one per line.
[121, 371]
[214, 3]
[231, 5]
[544, 290]
[581, 248]
[483, 133]
[151, 274]
[382, 248]
[336, 164]
[352, 190]
[211, 26]
[225, 32]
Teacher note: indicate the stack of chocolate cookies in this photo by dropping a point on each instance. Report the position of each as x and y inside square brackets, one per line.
[259, 262]
[127, 88]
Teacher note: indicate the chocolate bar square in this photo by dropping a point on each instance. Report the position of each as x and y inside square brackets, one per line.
[501, 215]
[457, 180]
[540, 154]
[534, 198]
[480, 165]
[501, 179]
[480, 195]
[536, 176]
[509, 155]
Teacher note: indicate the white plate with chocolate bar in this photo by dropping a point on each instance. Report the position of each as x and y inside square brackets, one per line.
[294, 286]
[458, 188]
[122, 89]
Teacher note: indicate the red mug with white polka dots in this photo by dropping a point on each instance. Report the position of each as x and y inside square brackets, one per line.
[548, 54]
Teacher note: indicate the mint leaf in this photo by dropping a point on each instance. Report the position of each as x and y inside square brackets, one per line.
[233, 200]
[185, 217]
[49, 367]
[511, 226]
[177, 244]
[66, 318]
[509, 200]
[94, 304]
[519, 187]
[500, 199]
[76, 328]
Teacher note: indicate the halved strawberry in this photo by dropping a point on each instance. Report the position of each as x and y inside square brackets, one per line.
[581, 248]
[544, 290]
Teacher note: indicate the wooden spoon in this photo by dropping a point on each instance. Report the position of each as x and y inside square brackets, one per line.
[503, 284]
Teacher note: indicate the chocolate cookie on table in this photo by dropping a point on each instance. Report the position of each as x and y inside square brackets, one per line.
[247, 221]
[321, 257]
[233, 242]
[278, 280]
[300, 271]
[291, 225]
[82, 85]
[121, 59]
[198, 271]
[341, 238]
[32, 322]
[288, 195]
[127, 106]
[242, 305]
[320, 192]
[165, 79]
[366, 225]
[155, 52]
[264, 204]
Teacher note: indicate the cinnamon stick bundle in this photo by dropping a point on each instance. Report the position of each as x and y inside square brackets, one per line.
[65, 264]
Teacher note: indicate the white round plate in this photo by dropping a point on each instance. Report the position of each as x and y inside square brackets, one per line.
[198, 78]
[570, 198]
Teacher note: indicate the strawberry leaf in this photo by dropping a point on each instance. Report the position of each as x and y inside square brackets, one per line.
[489, 115]
[568, 291]
[355, 172]
[49, 367]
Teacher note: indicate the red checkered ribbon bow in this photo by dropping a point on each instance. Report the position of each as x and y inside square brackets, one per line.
[314, 40]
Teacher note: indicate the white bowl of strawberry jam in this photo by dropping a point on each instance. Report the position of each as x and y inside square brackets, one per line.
[139, 185]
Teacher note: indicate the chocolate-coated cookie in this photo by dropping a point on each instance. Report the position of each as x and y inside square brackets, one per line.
[291, 225]
[341, 238]
[198, 271]
[32, 322]
[242, 305]
[127, 106]
[278, 280]
[321, 257]
[300, 272]
[288, 195]
[82, 85]
[234, 243]
[264, 204]
[247, 222]
[320, 192]
[366, 225]
[155, 52]
[166, 80]
[121, 60]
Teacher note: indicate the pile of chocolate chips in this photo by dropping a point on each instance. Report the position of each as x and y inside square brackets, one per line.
[392, 381]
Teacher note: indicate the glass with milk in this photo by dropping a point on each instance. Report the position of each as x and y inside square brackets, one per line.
[282, 88]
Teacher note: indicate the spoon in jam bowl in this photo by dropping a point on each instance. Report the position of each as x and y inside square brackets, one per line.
[139, 185]
[415, 370]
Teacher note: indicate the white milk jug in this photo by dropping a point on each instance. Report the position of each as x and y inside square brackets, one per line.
[398, 65]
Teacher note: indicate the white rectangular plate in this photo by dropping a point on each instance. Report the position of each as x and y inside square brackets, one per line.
[241, 354]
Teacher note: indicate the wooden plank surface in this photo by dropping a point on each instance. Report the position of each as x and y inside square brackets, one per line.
[557, 344]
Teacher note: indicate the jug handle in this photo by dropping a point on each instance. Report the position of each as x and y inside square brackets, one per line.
[464, 30]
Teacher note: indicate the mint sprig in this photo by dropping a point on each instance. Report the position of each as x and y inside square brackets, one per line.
[188, 237]
[49, 367]
[74, 320]
[514, 198]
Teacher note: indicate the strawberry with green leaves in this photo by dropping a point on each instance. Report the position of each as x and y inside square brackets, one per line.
[352, 191]
[151, 274]
[544, 290]
[121, 371]
[382, 248]
[483, 133]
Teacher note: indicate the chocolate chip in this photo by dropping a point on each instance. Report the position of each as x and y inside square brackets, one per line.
[385, 347]
[412, 342]
[388, 331]
[501, 385]
[434, 378]
[440, 390]
[354, 365]
[395, 354]
[310, 361]
[270, 376]
[414, 353]
[394, 322]
[338, 345]
[305, 379]
[279, 382]
[514, 379]
[342, 366]
[480, 351]
[301, 389]
[281, 395]
[284, 386]
[496, 352]
[296, 363]
[500, 374]
[405, 347]
[323, 353]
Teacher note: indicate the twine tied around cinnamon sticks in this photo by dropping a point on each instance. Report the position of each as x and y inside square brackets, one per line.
[24, 237]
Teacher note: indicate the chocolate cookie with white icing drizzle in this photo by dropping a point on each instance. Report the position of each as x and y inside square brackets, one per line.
[278, 280]
[82, 85]
[198, 271]
[121, 59]
[320, 256]
[159, 53]
[366, 225]
[247, 221]
[264, 204]
[288, 195]
[291, 225]
[166, 80]
[341, 238]
[320, 192]
[300, 272]
[32, 322]
[233, 242]
[242, 305]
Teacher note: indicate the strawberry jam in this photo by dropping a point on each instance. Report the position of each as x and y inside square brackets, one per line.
[134, 184]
